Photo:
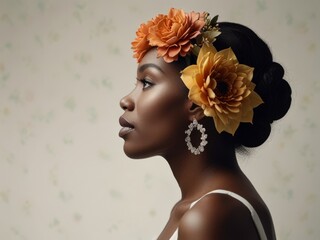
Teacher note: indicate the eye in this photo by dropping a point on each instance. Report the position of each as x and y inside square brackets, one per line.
[145, 83]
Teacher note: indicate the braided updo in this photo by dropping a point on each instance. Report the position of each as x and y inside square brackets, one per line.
[268, 77]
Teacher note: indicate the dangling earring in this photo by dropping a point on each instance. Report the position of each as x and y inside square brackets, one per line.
[203, 138]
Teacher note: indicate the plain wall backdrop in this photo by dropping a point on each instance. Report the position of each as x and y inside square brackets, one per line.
[64, 65]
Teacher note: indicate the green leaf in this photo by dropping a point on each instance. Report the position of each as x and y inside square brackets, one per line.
[214, 21]
[196, 50]
[211, 35]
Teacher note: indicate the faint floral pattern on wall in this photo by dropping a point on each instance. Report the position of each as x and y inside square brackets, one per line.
[64, 65]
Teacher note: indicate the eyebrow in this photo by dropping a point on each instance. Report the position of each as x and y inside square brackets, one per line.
[149, 65]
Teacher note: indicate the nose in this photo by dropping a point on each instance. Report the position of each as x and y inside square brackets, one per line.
[126, 103]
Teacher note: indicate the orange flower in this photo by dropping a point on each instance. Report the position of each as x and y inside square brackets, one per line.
[140, 44]
[173, 32]
[222, 87]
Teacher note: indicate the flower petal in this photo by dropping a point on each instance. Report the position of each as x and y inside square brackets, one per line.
[187, 75]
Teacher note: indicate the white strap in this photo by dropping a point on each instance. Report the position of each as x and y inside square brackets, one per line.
[253, 212]
[174, 235]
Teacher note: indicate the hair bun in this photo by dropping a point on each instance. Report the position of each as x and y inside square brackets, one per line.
[253, 135]
[276, 95]
[275, 92]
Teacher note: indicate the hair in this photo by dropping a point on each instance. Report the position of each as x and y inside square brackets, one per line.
[275, 91]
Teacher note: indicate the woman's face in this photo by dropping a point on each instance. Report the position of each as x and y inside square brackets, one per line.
[156, 111]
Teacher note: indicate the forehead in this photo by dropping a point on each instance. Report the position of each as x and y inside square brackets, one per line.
[151, 60]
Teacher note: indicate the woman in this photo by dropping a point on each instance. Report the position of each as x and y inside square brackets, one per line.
[204, 90]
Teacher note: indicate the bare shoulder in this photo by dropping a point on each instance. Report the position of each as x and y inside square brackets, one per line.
[217, 216]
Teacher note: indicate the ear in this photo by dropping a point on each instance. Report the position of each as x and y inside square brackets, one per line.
[194, 111]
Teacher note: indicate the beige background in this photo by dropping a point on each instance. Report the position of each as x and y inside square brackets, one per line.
[64, 65]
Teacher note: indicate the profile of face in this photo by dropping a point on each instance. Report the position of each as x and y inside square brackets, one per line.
[156, 112]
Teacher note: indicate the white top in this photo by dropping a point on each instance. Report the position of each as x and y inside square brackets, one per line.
[253, 212]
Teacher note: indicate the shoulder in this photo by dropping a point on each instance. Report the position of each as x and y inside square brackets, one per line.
[217, 216]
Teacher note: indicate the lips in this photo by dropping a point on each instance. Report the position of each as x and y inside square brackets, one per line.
[126, 127]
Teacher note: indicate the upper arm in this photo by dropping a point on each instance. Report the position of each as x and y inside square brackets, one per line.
[217, 217]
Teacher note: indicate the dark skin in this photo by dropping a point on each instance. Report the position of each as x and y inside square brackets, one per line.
[159, 111]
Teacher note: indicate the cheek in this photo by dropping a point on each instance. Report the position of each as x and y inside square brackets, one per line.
[162, 106]
[162, 117]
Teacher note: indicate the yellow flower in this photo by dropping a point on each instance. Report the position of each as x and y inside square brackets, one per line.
[222, 87]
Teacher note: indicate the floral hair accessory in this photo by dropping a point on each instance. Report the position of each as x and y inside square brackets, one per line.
[222, 87]
[176, 34]
[218, 83]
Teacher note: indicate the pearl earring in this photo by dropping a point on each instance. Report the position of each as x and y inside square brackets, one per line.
[203, 138]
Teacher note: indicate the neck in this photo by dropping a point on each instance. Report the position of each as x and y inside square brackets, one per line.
[198, 174]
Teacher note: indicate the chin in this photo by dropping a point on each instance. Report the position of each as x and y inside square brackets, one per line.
[136, 153]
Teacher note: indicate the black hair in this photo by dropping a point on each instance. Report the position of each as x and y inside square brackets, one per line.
[275, 92]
